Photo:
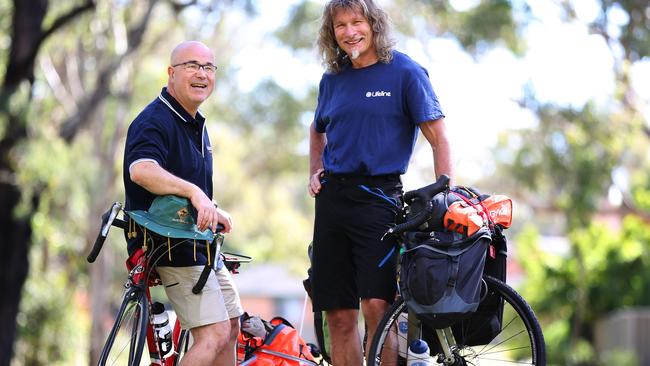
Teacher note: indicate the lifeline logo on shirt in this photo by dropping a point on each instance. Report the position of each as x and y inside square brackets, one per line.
[377, 93]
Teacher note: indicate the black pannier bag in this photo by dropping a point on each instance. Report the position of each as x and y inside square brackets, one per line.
[485, 324]
[441, 273]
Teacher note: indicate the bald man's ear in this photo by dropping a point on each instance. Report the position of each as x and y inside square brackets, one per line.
[170, 71]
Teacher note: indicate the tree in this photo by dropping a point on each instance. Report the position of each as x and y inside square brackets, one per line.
[566, 166]
[29, 31]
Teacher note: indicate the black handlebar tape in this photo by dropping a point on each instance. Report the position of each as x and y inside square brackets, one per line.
[427, 193]
[120, 223]
[99, 242]
[202, 280]
[418, 220]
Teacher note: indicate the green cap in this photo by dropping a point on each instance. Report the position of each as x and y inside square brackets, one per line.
[171, 216]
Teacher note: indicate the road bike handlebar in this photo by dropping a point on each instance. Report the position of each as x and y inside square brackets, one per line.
[424, 194]
[109, 218]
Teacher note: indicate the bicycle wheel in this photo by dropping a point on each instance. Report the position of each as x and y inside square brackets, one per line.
[520, 340]
[125, 343]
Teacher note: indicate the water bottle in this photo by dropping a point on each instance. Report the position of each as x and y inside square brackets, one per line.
[402, 333]
[418, 353]
[162, 327]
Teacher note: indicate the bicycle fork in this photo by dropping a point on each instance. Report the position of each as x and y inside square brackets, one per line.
[447, 341]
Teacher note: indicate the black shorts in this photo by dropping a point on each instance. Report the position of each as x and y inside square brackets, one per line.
[350, 261]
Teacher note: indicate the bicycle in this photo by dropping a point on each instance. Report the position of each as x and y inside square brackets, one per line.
[134, 322]
[520, 339]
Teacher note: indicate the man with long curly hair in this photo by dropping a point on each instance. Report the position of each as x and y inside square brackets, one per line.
[372, 100]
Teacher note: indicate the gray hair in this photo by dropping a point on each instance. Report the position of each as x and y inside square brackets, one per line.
[333, 57]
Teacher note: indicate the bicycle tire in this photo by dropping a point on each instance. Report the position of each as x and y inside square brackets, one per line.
[182, 346]
[125, 343]
[322, 336]
[521, 338]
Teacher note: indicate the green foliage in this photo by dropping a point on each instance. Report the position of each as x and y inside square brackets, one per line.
[566, 166]
[478, 28]
[635, 31]
[6, 9]
[302, 28]
[641, 191]
[614, 275]
[49, 316]
[566, 160]
[620, 357]
[63, 176]
[490, 21]
[262, 182]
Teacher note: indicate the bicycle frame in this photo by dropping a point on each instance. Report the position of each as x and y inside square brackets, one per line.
[138, 266]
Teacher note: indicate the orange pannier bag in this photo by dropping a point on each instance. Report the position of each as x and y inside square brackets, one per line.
[282, 346]
[499, 209]
[463, 218]
[469, 215]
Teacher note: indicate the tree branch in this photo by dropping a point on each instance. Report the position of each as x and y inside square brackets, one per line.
[54, 81]
[178, 6]
[75, 123]
[65, 18]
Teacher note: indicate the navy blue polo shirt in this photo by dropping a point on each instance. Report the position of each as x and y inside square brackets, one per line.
[371, 116]
[166, 134]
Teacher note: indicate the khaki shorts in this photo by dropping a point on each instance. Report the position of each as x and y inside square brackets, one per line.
[219, 300]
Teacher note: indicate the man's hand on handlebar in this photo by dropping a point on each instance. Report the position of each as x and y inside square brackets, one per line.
[208, 215]
[225, 219]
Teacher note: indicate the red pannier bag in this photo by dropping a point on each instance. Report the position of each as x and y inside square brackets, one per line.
[282, 346]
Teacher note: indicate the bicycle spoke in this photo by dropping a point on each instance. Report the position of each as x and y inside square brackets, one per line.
[505, 361]
[120, 351]
[504, 350]
[498, 344]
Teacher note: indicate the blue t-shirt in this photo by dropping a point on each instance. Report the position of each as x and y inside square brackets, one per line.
[371, 116]
[166, 134]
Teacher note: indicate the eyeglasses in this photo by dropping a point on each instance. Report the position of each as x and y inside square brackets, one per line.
[193, 66]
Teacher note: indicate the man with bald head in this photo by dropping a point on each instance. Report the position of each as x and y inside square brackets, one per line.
[168, 151]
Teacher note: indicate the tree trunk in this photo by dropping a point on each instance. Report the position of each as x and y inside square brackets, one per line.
[16, 236]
